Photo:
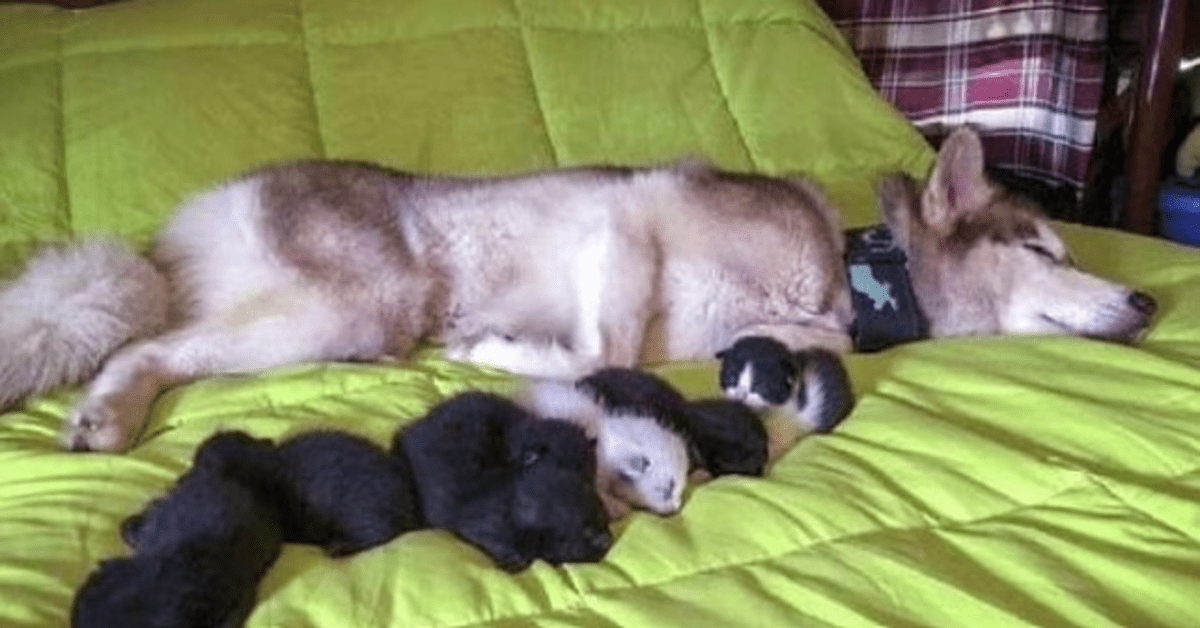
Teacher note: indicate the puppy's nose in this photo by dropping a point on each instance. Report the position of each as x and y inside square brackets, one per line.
[600, 541]
[1143, 303]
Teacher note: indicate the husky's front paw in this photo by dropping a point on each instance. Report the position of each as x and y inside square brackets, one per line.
[534, 358]
[759, 371]
[95, 425]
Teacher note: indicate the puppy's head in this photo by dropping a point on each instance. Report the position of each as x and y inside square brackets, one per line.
[120, 592]
[556, 511]
[758, 371]
[203, 504]
[643, 463]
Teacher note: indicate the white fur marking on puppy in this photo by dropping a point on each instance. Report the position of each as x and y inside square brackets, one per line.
[650, 462]
[744, 389]
[638, 461]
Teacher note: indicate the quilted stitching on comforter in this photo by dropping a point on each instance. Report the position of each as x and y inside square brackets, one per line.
[978, 482]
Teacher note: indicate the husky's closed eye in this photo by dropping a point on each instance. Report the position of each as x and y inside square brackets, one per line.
[1057, 255]
[1041, 251]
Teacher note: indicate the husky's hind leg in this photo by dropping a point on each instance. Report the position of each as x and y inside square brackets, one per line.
[113, 410]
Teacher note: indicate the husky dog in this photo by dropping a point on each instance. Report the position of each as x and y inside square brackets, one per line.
[512, 485]
[552, 274]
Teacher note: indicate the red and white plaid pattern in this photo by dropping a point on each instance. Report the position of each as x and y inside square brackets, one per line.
[1028, 75]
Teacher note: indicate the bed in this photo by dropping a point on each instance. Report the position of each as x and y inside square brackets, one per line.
[978, 481]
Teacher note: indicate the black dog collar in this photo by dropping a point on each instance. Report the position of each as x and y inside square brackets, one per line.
[885, 309]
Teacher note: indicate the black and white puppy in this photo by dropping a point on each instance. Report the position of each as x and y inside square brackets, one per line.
[337, 490]
[199, 554]
[723, 436]
[643, 453]
[516, 487]
[810, 386]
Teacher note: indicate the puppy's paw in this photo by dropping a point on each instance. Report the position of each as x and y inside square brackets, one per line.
[758, 371]
[95, 424]
[614, 507]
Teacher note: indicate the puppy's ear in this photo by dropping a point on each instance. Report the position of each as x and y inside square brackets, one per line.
[130, 528]
[898, 199]
[958, 185]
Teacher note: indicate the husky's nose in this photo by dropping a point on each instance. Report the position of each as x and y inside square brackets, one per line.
[1143, 303]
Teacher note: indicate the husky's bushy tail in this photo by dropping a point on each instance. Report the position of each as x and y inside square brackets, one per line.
[72, 306]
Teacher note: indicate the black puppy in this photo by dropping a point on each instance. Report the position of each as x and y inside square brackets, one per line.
[208, 484]
[730, 438]
[200, 552]
[333, 489]
[639, 392]
[515, 486]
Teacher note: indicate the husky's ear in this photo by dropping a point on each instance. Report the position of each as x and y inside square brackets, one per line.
[958, 184]
[898, 196]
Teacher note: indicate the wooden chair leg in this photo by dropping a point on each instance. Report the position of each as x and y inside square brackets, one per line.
[1148, 115]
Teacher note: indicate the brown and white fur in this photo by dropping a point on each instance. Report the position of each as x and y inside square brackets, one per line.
[556, 274]
[983, 260]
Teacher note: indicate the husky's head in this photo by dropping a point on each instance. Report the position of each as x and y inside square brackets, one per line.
[985, 261]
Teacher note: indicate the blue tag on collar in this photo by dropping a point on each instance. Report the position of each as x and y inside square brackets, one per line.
[885, 309]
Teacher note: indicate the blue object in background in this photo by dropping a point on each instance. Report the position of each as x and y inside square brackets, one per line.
[1179, 210]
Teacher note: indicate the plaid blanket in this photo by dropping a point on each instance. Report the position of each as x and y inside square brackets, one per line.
[1027, 74]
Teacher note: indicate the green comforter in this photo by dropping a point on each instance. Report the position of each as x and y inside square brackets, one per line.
[979, 482]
